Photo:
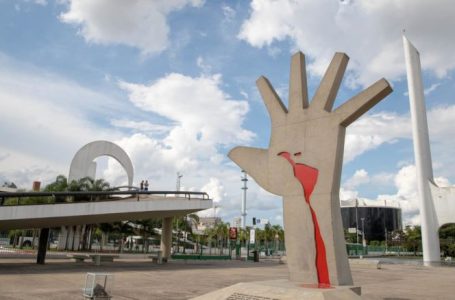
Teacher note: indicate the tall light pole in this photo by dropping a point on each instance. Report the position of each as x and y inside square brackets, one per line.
[177, 188]
[356, 221]
[363, 235]
[179, 176]
[244, 188]
[215, 206]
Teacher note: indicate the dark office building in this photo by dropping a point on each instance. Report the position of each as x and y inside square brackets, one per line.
[377, 219]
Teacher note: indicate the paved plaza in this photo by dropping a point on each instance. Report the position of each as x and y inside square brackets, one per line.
[139, 278]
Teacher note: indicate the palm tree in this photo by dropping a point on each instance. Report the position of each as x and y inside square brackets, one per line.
[121, 228]
[222, 233]
[210, 233]
[89, 184]
[84, 184]
[146, 227]
[278, 233]
[243, 236]
[184, 224]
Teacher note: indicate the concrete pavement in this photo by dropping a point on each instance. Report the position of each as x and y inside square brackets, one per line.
[139, 278]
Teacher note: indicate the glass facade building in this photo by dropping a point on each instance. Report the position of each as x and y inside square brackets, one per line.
[377, 220]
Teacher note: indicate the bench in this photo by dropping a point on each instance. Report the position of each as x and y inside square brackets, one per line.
[98, 258]
[79, 258]
[156, 256]
[368, 263]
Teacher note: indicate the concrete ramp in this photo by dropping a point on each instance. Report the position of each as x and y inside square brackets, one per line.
[62, 214]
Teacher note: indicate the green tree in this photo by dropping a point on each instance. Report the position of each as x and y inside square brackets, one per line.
[413, 238]
[447, 239]
[59, 185]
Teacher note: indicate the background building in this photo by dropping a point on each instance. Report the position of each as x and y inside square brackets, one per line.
[206, 222]
[378, 217]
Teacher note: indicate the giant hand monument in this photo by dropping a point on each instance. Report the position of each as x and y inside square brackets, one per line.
[303, 165]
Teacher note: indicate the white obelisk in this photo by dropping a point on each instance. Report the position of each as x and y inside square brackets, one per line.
[422, 154]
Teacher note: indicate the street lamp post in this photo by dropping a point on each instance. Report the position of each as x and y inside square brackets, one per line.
[363, 236]
[244, 188]
[215, 206]
[177, 188]
[179, 176]
[356, 221]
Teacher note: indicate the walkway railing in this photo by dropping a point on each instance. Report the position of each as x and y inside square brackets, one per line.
[93, 196]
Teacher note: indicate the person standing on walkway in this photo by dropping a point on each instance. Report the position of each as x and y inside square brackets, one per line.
[142, 185]
[146, 185]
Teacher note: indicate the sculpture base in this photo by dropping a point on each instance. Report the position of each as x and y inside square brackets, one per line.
[281, 290]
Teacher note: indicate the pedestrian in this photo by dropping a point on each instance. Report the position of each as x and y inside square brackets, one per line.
[142, 185]
[146, 185]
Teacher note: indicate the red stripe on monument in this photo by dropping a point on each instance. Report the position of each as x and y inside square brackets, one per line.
[308, 176]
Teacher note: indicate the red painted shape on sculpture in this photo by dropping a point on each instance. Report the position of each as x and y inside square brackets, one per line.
[308, 176]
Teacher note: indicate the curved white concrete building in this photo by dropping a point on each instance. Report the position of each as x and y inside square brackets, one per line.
[83, 163]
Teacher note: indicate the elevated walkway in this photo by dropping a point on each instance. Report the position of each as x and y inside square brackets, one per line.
[139, 205]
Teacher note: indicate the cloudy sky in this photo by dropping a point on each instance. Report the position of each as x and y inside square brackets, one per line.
[173, 83]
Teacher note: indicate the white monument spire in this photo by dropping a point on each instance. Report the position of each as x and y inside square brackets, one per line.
[422, 154]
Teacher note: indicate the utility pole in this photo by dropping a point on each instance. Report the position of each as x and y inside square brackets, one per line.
[244, 188]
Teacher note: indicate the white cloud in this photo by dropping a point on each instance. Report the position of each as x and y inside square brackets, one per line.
[371, 131]
[432, 88]
[41, 2]
[215, 189]
[404, 181]
[360, 177]
[440, 123]
[45, 119]
[217, 192]
[206, 68]
[201, 120]
[406, 195]
[368, 31]
[141, 24]
[426, 91]
[273, 51]
[206, 117]
[348, 194]
[228, 12]
[141, 126]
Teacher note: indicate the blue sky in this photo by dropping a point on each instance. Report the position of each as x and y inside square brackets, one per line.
[173, 83]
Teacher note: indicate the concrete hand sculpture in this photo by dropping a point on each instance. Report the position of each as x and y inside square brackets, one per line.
[303, 165]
